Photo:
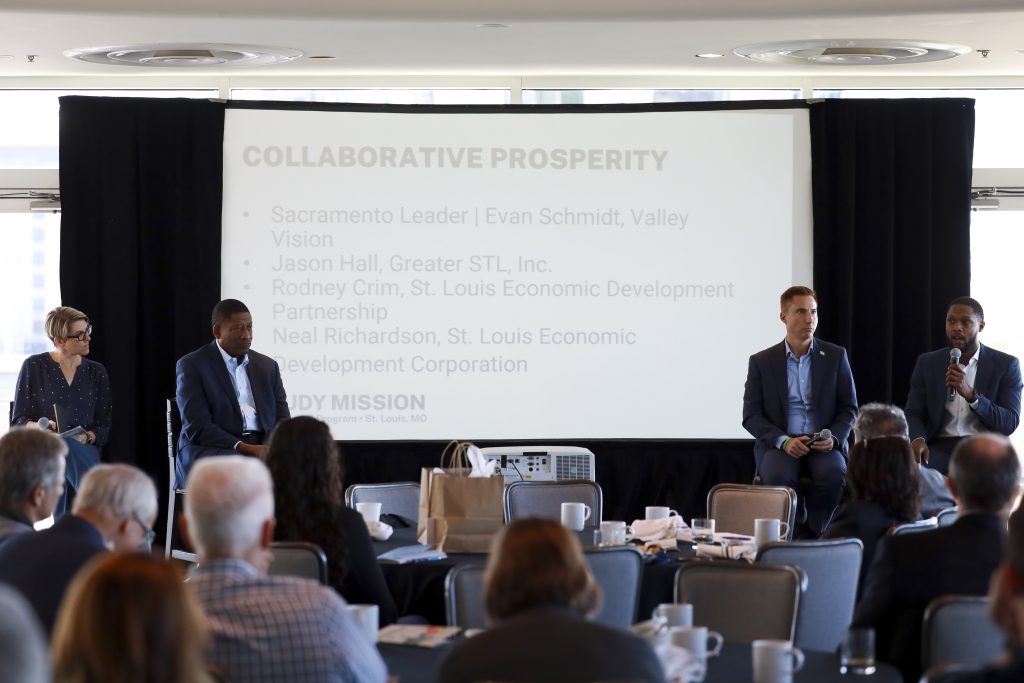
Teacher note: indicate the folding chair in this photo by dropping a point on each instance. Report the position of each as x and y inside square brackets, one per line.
[545, 498]
[399, 498]
[618, 571]
[946, 517]
[298, 559]
[957, 630]
[464, 596]
[826, 607]
[173, 431]
[742, 601]
[915, 527]
[734, 507]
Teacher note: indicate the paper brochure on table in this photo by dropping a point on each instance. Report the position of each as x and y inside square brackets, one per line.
[419, 636]
[413, 553]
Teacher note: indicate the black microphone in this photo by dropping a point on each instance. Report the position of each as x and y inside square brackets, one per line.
[954, 359]
[823, 435]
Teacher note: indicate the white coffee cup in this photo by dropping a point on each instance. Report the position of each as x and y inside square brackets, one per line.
[369, 511]
[775, 661]
[368, 619]
[697, 640]
[659, 512]
[674, 614]
[769, 530]
[575, 515]
[615, 533]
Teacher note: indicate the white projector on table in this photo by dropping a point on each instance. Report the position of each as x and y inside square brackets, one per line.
[542, 463]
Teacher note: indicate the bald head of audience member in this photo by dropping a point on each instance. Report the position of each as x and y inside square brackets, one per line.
[120, 501]
[984, 474]
[229, 509]
[880, 419]
[31, 472]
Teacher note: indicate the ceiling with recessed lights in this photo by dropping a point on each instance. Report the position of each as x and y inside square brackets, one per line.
[538, 37]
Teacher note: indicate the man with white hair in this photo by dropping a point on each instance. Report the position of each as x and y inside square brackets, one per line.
[114, 510]
[265, 628]
[31, 478]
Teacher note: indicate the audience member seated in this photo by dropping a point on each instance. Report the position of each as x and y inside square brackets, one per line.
[23, 656]
[265, 628]
[31, 478]
[1006, 602]
[882, 477]
[304, 462]
[538, 595]
[129, 617]
[883, 419]
[114, 510]
[910, 570]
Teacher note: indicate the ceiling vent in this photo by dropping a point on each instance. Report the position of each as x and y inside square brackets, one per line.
[185, 55]
[850, 52]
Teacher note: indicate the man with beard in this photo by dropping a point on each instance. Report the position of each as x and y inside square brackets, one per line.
[979, 393]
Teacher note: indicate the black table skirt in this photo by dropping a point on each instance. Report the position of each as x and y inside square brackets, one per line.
[420, 665]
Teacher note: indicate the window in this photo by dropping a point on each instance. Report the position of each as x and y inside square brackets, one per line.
[378, 95]
[28, 138]
[642, 96]
[997, 139]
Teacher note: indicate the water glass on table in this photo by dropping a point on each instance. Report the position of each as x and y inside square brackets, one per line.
[703, 529]
[857, 653]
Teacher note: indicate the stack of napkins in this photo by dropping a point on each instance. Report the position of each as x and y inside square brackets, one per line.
[679, 665]
[658, 529]
[733, 551]
[379, 531]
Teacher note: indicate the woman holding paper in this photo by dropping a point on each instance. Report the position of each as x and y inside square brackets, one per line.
[306, 467]
[69, 391]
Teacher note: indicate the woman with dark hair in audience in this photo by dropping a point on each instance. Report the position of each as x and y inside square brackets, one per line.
[304, 462]
[64, 377]
[882, 477]
[129, 618]
[539, 594]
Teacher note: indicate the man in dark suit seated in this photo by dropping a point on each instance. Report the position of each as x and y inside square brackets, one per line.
[114, 510]
[794, 390]
[230, 396]
[31, 478]
[911, 570]
[979, 394]
[1006, 605]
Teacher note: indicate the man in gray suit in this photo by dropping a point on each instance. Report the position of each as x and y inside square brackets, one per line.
[31, 478]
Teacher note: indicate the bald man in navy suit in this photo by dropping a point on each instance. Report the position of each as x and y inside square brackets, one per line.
[794, 390]
[230, 396]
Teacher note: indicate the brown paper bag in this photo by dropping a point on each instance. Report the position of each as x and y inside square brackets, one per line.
[470, 509]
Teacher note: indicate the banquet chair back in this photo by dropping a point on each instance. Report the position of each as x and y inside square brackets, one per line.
[618, 572]
[744, 602]
[946, 517]
[173, 431]
[957, 629]
[734, 507]
[544, 499]
[464, 596]
[826, 607]
[400, 498]
[290, 558]
[915, 527]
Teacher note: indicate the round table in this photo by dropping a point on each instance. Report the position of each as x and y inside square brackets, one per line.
[420, 665]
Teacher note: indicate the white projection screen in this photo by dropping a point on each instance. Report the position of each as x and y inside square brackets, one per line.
[485, 275]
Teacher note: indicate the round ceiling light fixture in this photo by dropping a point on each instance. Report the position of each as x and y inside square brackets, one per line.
[850, 52]
[185, 55]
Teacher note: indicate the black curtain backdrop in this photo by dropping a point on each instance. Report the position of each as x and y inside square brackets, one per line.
[140, 249]
[892, 242]
[140, 253]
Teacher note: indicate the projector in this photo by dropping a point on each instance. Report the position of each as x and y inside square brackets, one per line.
[542, 463]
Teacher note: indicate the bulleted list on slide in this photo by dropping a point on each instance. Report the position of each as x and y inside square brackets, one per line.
[494, 301]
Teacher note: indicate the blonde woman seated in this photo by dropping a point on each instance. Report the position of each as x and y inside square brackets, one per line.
[129, 618]
[539, 594]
